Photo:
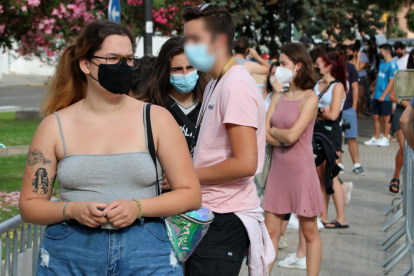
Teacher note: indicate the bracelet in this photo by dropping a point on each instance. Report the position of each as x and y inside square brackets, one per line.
[64, 209]
[281, 144]
[139, 207]
[320, 110]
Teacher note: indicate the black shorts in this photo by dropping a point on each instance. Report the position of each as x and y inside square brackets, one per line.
[381, 108]
[396, 117]
[287, 217]
[222, 249]
[332, 130]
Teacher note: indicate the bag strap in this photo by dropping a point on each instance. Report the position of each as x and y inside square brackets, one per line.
[151, 144]
[177, 110]
[326, 89]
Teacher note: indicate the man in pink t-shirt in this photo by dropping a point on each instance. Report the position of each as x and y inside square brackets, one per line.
[230, 145]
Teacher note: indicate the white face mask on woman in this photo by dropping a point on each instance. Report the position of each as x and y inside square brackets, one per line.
[284, 75]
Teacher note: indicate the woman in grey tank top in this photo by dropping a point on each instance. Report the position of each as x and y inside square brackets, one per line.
[93, 140]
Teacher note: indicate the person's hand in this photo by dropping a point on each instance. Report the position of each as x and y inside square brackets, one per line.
[122, 213]
[271, 131]
[275, 84]
[86, 213]
[358, 55]
[382, 98]
[165, 185]
[372, 88]
[355, 107]
[253, 53]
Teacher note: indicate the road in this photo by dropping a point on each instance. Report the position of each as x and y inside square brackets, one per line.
[14, 98]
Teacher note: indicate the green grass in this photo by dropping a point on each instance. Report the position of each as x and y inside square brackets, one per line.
[16, 133]
[11, 175]
[11, 172]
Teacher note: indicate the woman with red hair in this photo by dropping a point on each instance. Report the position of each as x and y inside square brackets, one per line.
[331, 91]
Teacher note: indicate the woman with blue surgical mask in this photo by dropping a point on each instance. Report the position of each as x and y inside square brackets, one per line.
[177, 86]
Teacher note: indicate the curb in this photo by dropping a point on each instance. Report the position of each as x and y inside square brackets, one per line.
[25, 85]
[14, 150]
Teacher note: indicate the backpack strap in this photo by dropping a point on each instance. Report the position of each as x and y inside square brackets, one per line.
[150, 143]
[326, 89]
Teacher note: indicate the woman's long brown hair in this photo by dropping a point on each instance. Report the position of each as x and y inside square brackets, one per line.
[158, 86]
[69, 82]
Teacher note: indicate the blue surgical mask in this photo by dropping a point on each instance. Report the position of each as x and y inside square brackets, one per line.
[198, 57]
[184, 83]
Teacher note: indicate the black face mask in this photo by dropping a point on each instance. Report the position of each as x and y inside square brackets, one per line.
[399, 55]
[350, 57]
[317, 71]
[117, 80]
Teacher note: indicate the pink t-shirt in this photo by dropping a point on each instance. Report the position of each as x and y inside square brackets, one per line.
[235, 100]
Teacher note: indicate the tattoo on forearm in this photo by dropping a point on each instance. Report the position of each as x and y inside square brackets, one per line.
[36, 157]
[40, 182]
[52, 183]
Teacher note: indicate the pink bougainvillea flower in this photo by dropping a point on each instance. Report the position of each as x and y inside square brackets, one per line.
[24, 8]
[33, 3]
[1, 9]
[2, 28]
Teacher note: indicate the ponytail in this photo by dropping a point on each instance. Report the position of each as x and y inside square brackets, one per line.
[338, 71]
[68, 85]
[341, 71]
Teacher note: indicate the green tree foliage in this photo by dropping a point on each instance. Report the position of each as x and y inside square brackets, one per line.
[410, 20]
[265, 21]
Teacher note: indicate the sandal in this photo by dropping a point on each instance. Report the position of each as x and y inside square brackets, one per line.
[337, 225]
[325, 223]
[395, 183]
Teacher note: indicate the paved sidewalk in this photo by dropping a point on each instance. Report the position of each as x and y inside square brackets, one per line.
[355, 251]
[14, 80]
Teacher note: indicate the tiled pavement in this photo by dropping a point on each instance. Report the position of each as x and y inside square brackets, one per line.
[355, 251]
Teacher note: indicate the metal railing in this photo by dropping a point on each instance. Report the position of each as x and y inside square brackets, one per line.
[405, 217]
[21, 242]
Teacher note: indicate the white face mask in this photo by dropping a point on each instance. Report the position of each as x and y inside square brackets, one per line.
[284, 75]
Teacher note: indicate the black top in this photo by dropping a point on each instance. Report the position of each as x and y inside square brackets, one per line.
[192, 116]
[352, 76]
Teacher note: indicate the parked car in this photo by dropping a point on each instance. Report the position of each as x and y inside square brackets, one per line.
[408, 42]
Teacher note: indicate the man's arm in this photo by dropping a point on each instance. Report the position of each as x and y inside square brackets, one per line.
[387, 90]
[355, 94]
[406, 122]
[262, 68]
[243, 163]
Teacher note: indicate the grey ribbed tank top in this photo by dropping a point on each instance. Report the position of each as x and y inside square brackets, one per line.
[106, 177]
[241, 61]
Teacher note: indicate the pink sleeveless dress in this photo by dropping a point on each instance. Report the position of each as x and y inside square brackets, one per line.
[292, 184]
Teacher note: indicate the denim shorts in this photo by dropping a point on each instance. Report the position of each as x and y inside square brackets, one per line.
[350, 116]
[74, 249]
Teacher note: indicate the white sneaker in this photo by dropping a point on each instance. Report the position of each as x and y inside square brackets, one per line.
[283, 242]
[384, 142]
[372, 142]
[293, 222]
[292, 261]
[320, 224]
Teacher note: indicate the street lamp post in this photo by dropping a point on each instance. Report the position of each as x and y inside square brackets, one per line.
[148, 26]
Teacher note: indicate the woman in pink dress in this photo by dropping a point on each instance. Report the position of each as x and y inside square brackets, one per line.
[292, 184]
